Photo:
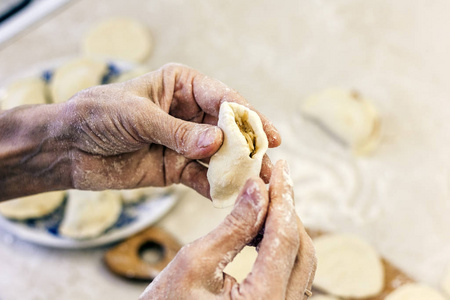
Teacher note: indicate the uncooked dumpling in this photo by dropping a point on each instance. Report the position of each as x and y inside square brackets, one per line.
[347, 267]
[134, 195]
[123, 39]
[88, 214]
[31, 207]
[25, 91]
[240, 157]
[242, 264]
[75, 76]
[349, 117]
[415, 291]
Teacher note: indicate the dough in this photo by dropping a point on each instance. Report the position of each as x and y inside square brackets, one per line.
[347, 116]
[347, 267]
[120, 38]
[31, 207]
[25, 91]
[75, 76]
[445, 284]
[88, 214]
[242, 264]
[415, 291]
[240, 156]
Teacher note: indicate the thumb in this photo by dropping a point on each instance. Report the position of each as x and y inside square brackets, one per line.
[243, 223]
[190, 139]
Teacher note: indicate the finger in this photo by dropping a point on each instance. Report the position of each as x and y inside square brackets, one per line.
[238, 228]
[194, 176]
[280, 243]
[210, 93]
[266, 169]
[190, 139]
[304, 268]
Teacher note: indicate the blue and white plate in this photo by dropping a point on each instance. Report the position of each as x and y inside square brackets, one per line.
[134, 218]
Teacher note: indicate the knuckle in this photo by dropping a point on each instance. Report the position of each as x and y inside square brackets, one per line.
[235, 224]
[181, 136]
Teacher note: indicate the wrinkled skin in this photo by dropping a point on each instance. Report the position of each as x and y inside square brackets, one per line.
[286, 261]
[136, 133]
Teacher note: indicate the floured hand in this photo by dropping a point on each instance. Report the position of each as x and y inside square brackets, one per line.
[286, 261]
[150, 131]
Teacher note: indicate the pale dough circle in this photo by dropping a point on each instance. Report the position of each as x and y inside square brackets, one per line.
[240, 156]
[119, 38]
[242, 264]
[74, 76]
[88, 214]
[31, 207]
[347, 115]
[347, 266]
[25, 91]
[415, 291]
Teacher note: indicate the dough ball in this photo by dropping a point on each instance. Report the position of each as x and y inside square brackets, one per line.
[25, 91]
[348, 116]
[445, 284]
[347, 267]
[31, 207]
[415, 291]
[119, 38]
[75, 76]
[240, 156]
[88, 214]
[242, 264]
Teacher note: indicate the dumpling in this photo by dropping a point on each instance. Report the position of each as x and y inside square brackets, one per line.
[347, 115]
[119, 38]
[88, 213]
[75, 76]
[31, 207]
[240, 156]
[31, 90]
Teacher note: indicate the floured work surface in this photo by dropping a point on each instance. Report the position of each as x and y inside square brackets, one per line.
[393, 277]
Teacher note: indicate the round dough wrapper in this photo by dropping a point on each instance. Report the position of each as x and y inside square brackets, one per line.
[88, 214]
[415, 291]
[31, 207]
[119, 38]
[242, 264]
[322, 297]
[347, 116]
[75, 76]
[25, 91]
[445, 284]
[240, 156]
[347, 267]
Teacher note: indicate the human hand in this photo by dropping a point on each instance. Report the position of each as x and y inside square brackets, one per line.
[150, 131]
[286, 260]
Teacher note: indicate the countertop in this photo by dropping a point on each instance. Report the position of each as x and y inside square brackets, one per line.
[275, 53]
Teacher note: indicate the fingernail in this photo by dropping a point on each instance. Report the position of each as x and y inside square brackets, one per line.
[207, 138]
